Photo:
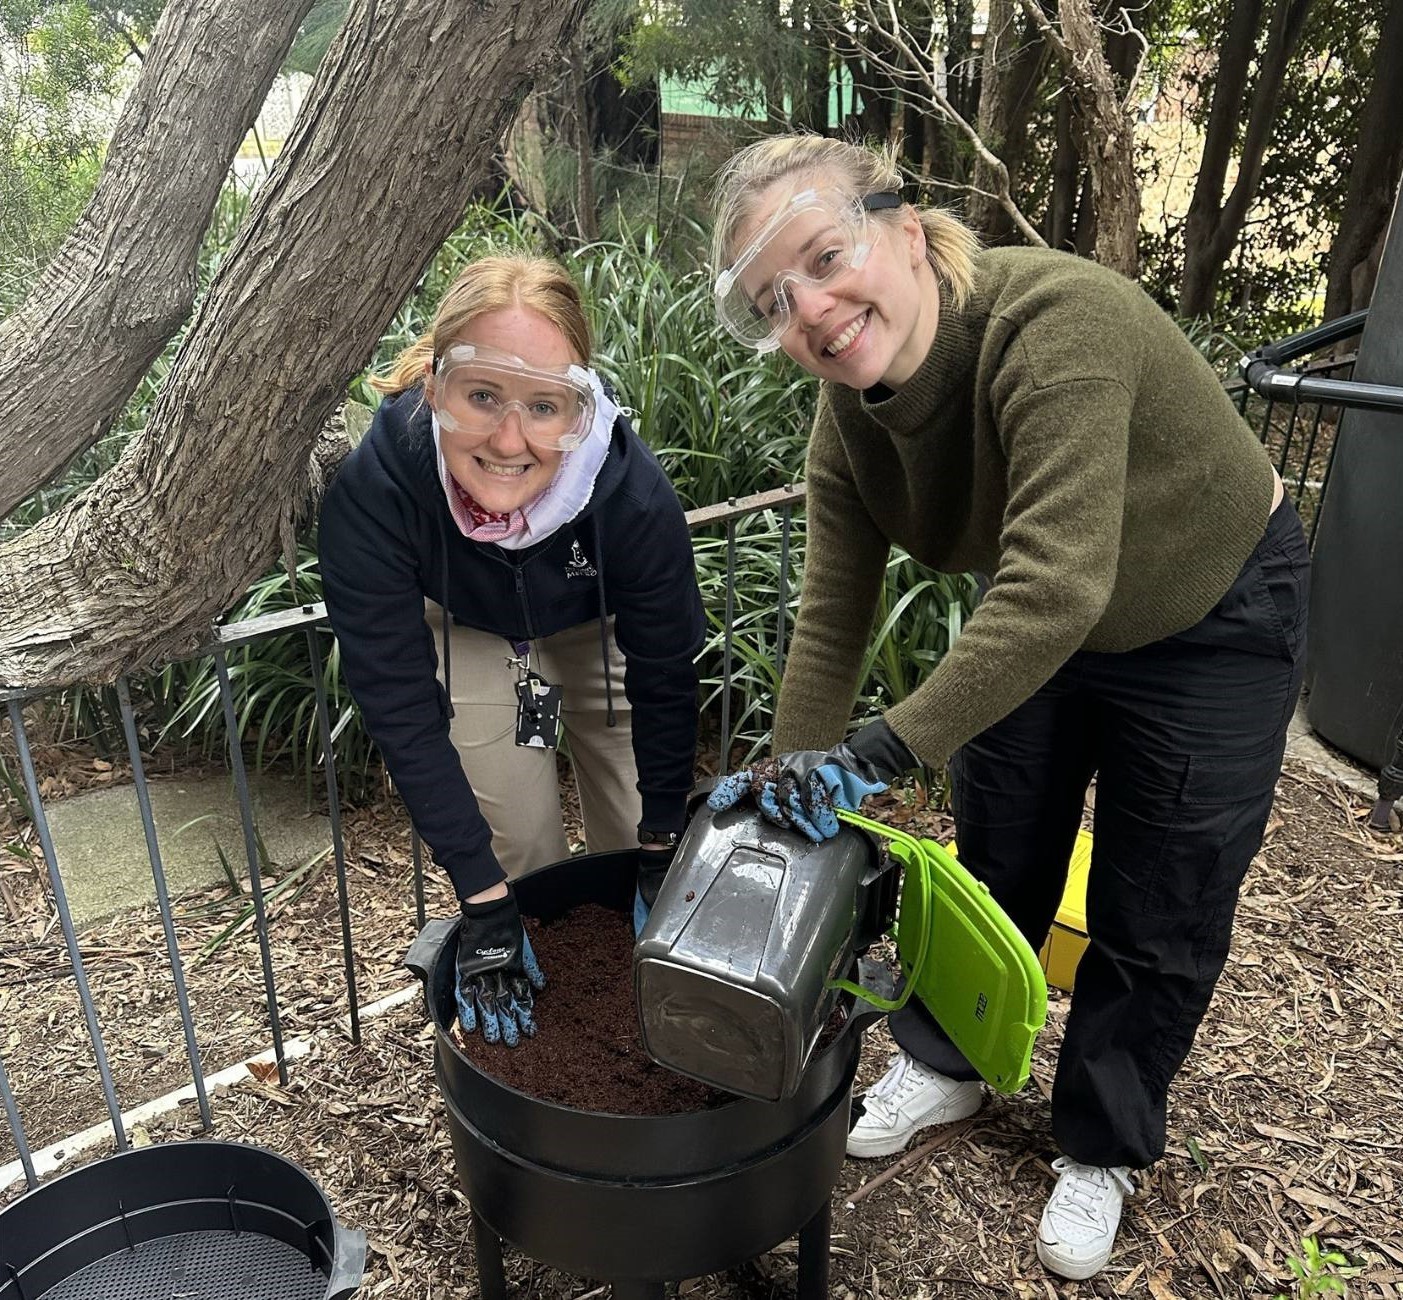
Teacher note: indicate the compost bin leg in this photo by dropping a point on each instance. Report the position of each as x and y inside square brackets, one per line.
[636, 1289]
[813, 1255]
[491, 1275]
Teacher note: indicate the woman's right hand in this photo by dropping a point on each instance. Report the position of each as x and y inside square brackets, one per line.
[498, 975]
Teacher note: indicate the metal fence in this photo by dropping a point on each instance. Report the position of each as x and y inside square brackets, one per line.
[1295, 400]
[1292, 401]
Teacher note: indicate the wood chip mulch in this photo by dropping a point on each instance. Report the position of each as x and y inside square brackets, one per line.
[1287, 1120]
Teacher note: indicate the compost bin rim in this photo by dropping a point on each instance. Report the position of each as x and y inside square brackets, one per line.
[736, 1099]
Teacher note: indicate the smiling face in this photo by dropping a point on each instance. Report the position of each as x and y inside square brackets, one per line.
[872, 323]
[500, 470]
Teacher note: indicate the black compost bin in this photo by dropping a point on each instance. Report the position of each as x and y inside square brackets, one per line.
[637, 1200]
[196, 1220]
[1355, 665]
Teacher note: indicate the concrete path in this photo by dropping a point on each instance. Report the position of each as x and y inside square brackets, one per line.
[1304, 746]
[101, 846]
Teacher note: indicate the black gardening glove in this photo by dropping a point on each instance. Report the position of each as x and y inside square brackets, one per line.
[497, 972]
[801, 790]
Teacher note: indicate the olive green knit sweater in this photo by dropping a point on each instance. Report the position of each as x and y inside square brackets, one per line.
[1063, 438]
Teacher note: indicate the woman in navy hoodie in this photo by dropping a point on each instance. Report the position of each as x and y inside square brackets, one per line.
[503, 559]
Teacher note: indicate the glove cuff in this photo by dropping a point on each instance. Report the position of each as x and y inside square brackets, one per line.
[491, 908]
[877, 744]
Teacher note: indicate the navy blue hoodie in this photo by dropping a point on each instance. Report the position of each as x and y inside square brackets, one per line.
[387, 540]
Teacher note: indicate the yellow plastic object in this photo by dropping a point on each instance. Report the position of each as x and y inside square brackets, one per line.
[964, 959]
[1066, 941]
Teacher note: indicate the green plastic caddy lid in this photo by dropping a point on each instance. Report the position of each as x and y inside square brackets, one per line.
[964, 959]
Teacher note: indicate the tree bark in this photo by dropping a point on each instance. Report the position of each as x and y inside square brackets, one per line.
[586, 204]
[1011, 65]
[373, 179]
[124, 279]
[1213, 224]
[1373, 177]
[1107, 139]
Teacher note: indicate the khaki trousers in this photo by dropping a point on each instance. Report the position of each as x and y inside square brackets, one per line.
[516, 786]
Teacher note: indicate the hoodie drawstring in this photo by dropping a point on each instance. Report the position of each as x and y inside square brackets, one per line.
[603, 622]
[443, 609]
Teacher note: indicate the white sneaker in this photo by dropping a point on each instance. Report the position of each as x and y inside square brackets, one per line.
[1078, 1228]
[909, 1097]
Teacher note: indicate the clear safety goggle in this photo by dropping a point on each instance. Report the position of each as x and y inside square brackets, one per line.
[476, 388]
[817, 236]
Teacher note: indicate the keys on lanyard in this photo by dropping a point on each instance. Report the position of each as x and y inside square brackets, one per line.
[537, 702]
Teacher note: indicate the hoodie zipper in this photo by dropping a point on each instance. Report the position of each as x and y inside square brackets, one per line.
[518, 571]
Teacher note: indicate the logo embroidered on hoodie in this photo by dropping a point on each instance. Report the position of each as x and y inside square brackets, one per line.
[578, 565]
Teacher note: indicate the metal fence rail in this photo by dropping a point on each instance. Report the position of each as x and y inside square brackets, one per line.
[1295, 404]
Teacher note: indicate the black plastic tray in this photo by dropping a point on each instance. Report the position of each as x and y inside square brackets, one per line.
[200, 1220]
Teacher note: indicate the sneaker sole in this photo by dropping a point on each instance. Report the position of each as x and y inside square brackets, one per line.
[865, 1149]
[1071, 1270]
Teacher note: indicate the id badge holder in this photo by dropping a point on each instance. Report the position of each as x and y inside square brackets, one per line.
[537, 712]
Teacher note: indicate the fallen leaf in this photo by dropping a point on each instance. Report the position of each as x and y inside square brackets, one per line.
[1314, 1200]
[1282, 1134]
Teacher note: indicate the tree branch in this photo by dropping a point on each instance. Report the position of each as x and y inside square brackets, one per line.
[124, 279]
[917, 66]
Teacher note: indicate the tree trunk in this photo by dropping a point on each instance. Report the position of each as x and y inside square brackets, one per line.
[811, 92]
[874, 117]
[373, 179]
[1213, 225]
[959, 58]
[586, 204]
[626, 119]
[1373, 177]
[1060, 225]
[1108, 140]
[124, 279]
[1011, 67]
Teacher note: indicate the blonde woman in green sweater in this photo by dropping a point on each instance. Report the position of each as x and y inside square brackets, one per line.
[1037, 419]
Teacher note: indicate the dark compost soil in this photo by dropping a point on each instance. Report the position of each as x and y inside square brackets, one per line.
[587, 1052]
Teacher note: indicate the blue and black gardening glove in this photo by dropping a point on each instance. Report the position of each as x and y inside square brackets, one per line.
[800, 790]
[653, 864]
[498, 975]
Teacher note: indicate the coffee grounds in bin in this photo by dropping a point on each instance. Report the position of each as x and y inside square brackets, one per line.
[587, 1052]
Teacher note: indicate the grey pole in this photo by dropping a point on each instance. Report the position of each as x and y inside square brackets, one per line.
[255, 875]
[70, 935]
[158, 874]
[16, 1127]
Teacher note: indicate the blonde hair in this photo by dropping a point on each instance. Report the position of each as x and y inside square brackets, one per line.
[489, 284]
[950, 244]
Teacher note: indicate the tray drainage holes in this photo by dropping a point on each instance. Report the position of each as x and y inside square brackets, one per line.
[212, 1265]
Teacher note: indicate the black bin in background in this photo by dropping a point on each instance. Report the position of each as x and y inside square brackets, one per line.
[198, 1220]
[1355, 655]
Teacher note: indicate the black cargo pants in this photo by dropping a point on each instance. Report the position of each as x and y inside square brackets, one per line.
[1185, 738]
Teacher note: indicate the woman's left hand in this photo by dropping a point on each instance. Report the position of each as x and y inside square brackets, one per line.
[801, 790]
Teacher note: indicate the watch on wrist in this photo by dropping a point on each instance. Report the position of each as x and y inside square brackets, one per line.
[667, 839]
